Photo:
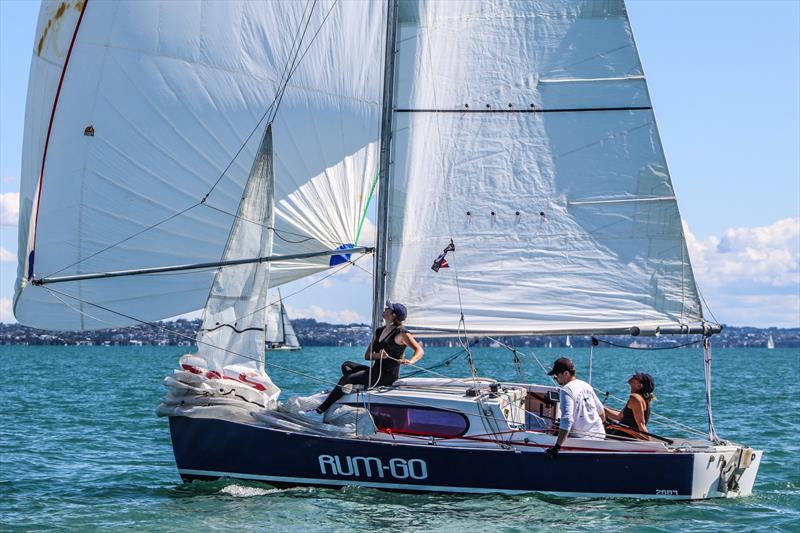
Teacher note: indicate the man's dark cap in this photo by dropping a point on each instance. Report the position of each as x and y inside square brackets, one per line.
[560, 365]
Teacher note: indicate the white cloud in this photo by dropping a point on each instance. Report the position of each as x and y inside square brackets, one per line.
[345, 316]
[751, 276]
[6, 314]
[6, 256]
[368, 233]
[9, 208]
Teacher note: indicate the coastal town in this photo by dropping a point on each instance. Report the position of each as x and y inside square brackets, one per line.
[310, 332]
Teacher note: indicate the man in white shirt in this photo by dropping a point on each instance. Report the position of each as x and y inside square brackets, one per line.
[582, 413]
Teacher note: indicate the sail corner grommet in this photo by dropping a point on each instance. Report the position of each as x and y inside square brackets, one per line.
[88, 131]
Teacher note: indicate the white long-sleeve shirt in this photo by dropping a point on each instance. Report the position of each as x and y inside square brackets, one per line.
[580, 411]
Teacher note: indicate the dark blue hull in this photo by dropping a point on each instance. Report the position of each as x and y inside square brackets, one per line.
[212, 448]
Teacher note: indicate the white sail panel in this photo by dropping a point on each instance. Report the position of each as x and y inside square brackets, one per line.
[171, 92]
[325, 213]
[523, 132]
[232, 332]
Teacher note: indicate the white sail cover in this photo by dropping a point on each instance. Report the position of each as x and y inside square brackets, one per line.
[136, 109]
[232, 332]
[523, 131]
[279, 329]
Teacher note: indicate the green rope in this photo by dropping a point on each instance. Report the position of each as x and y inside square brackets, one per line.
[366, 207]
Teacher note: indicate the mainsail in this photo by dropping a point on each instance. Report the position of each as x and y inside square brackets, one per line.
[142, 121]
[524, 132]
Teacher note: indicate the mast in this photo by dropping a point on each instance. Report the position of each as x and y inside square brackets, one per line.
[381, 241]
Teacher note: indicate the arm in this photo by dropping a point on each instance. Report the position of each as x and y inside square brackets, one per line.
[601, 410]
[612, 414]
[565, 424]
[407, 339]
[637, 405]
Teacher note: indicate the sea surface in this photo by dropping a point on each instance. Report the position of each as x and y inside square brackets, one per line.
[82, 449]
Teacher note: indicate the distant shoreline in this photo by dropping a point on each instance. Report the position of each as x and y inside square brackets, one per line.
[312, 333]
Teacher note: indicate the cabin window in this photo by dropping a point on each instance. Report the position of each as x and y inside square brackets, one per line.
[419, 420]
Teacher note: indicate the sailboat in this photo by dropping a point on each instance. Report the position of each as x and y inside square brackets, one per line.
[280, 332]
[188, 155]
[770, 343]
[568, 342]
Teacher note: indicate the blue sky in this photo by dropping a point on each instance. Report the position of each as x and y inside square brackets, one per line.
[725, 83]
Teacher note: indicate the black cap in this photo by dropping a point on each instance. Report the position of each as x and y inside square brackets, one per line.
[399, 310]
[647, 381]
[560, 365]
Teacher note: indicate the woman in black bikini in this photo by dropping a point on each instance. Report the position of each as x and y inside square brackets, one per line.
[636, 413]
[385, 350]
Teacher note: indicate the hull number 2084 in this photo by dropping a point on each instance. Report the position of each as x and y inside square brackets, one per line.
[373, 467]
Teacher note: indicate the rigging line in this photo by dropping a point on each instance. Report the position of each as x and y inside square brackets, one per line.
[669, 421]
[706, 304]
[271, 228]
[282, 84]
[673, 423]
[511, 348]
[292, 65]
[165, 329]
[310, 43]
[323, 278]
[654, 348]
[189, 337]
[366, 206]
[148, 228]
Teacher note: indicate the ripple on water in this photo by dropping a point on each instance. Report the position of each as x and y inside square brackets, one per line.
[82, 457]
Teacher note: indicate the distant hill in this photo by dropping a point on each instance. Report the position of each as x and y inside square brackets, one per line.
[313, 333]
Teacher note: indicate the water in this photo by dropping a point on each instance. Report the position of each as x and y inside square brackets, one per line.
[82, 449]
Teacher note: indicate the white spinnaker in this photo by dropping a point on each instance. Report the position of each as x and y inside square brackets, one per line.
[608, 251]
[232, 332]
[172, 90]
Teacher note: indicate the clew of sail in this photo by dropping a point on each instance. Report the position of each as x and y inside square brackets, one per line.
[142, 120]
[545, 168]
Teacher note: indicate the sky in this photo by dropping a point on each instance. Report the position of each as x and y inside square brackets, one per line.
[724, 78]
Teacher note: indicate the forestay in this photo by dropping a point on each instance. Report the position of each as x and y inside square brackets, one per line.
[156, 102]
[523, 131]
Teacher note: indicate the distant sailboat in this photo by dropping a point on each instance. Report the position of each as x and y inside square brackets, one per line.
[568, 342]
[770, 343]
[280, 334]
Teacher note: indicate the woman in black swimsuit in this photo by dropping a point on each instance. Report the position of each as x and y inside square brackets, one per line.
[636, 413]
[385, 350]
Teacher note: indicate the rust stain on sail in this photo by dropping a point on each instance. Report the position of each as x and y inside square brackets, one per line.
[54, 24]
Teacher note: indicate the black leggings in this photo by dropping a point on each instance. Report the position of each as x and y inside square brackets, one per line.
[352, 374]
